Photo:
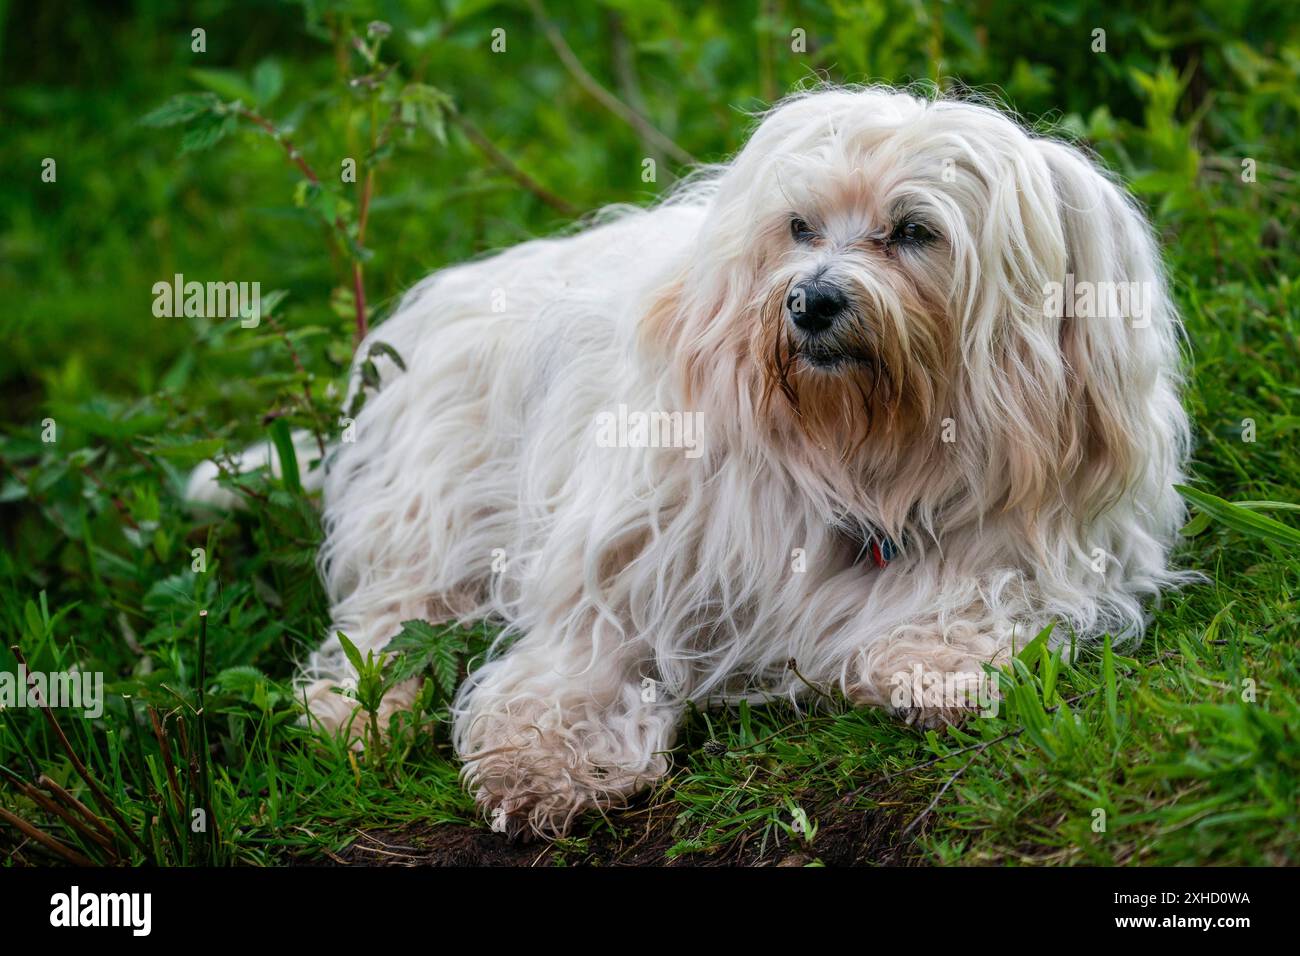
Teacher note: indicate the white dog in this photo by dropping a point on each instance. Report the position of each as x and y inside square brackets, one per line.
[906, 328]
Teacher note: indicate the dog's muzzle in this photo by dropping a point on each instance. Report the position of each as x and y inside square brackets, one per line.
[824, 323]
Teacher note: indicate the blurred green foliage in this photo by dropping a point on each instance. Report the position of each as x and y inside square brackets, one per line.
[80, 256]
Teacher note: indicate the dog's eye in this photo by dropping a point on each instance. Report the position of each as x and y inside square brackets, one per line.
[801, 231]
[911, 232]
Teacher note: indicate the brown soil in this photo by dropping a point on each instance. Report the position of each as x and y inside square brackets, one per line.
[638, 837]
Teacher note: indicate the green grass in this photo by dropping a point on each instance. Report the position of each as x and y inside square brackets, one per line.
[1185, 748]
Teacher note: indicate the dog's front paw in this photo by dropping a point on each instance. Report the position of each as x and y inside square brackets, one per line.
[926, 684]
[523, 798]
[534, 779]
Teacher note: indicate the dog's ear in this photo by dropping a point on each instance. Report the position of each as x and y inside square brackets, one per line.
[1090, 362]
[1121, 352]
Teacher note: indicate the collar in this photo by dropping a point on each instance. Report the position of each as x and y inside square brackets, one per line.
[882, 550]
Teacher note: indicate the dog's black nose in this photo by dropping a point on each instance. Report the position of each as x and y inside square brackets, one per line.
[813, 305]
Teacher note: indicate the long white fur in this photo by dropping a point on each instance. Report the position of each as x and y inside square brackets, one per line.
[629, 563]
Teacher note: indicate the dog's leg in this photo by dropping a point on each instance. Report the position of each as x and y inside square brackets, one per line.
[414, 507]
[557, 726]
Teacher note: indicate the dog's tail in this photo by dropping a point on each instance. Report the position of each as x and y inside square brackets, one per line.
[204, 490]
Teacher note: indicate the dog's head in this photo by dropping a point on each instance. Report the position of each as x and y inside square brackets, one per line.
[884, 287]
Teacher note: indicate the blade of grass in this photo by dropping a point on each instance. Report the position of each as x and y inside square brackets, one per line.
[1242, 519]
[283, 441]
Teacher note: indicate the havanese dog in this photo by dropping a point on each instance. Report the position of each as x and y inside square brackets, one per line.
[883, 397]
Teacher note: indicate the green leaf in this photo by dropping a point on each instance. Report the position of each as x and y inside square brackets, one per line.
[226, 83]
[420, 645]
[181, 108]
[268, 81]
[350, 652]
[13, 490]
[187, 451]
[1029, 651]
[1049, 667]
[1198, 524]
[35, 625]
[415, 635]
[206, 132]
[369, 374]
[1241, 519]
[283, 441]
[445, 660]
[383, 348]
[240, 680]
[1267, 505]
[271, 300]
[1033, 717]
[426, 106]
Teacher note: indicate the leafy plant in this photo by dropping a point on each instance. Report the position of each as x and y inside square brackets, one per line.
[389, 106]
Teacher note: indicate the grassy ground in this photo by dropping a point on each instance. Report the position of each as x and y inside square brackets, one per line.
[1184, 750]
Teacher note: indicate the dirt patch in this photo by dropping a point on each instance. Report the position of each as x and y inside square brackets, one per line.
[447, 844]
[639, 837]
